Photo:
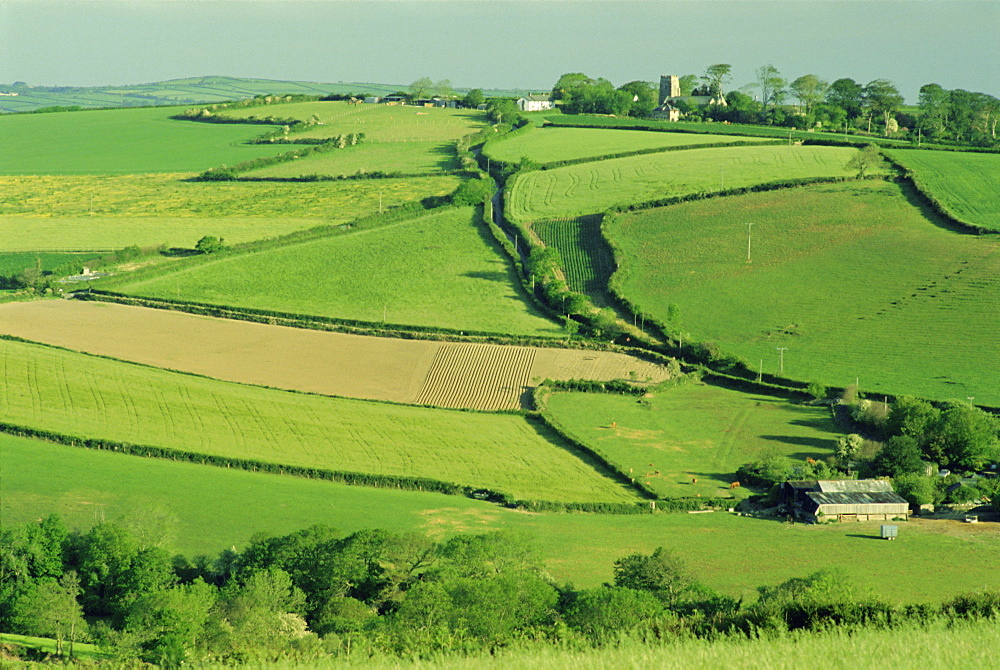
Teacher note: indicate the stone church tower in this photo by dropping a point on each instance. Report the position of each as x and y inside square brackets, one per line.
[670, 87]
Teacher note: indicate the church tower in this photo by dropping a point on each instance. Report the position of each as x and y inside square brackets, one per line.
[670, 87]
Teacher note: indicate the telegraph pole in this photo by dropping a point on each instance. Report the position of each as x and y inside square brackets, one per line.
[749, 225]
[781, 359]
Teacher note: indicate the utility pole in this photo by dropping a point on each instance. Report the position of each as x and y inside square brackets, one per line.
[760, 371]
[781, 359]
[722, 178]
[749, 225]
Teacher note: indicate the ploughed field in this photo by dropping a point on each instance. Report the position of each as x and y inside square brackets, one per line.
[446, 374]
[81, 395]
[689, 440]
[106, 212]
[548, 144]
[853, 279]
[442, 270]
[590, 188]
[731, 554]
[967, 184]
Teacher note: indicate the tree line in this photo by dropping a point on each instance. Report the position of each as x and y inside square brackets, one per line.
[318, 593]
[806, 102]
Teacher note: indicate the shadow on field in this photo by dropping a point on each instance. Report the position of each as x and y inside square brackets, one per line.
[448, 160]
[918, 200]
[179, 252]
[865, 537]
[815, 442]
[819, 423]
[495, 275]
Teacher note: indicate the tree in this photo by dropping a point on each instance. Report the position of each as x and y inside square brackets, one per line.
[502, 110]
[663, 573]
[817, 390]
[715, 78]
[421, 88]
[568, 83]
[882, 97]
[965, 436]
[846, 94]
[867, 160]
[643, 97]
[169, 624]
[901, 455]
[50, 609]
[809, 89]
[771, 86]
[209, 244]
[473, 98]
[933, 102]
[443, 89]
[848, 446]
[917, 489]
[687, 83]
[604, 613]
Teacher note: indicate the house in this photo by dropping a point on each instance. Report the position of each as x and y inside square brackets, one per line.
[666, 111]
[844, 500]
[535, 103]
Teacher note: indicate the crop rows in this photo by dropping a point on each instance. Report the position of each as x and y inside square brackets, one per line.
[587, 260]
[64, 392]
[479, 376]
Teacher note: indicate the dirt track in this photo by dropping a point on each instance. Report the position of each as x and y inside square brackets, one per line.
[354, 366]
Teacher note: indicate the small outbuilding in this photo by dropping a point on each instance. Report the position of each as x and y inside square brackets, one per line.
[534, 103]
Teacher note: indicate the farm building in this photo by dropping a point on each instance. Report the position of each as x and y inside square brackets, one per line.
[534, 103]
[844, 500]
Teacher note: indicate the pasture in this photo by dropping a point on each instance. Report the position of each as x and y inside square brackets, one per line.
[122, 141]
[967, 184]
[440, 270]
[110, 212]
[353, 366]
[395, 157]
[589, 188]
[548, 144]
[379, 123]
[731, 554]
[689, 440]
[77, 394]
[853, 279]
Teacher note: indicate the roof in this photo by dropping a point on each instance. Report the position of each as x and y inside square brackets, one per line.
[854, 486]
[857, 498]
[543, 97]
[801, 484]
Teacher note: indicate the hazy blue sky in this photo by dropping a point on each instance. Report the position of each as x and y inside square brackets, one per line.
[498, 43]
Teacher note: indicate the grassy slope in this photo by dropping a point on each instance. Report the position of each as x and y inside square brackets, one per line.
[593, 187]
[81, 395]
[968, 184]
[693, 432]
[853, 279]
[122, 141]
[404, 157]
[545, 145]
[439, 270]
[87, 212]
[220, 508]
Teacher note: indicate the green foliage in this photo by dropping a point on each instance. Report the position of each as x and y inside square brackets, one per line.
[917, 489]
[607, 613]
[473, 192]
[662, 574]
[816, 389]
[867, 161]
[209, 244]
[900, 455]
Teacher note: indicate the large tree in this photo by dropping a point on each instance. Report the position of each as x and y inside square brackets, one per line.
[809, 89]
[882, 98]
[771, 86]
[933, 103]
[421, 88]
[846, 94]
[715, 77]
[643, 97]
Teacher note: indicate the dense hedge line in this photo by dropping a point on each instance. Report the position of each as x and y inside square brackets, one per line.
[230, 173]
[926, 195]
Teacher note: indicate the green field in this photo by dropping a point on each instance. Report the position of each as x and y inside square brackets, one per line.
[853, 279]
[441, 270]
[379, 123]
[221, 508]
[967, 184]
[587, 260]
[13, 263]
[693, 432]
[122, 141]
[77, 394]
[594, 187]
[400, 157]
[105, 212]
[548, 144]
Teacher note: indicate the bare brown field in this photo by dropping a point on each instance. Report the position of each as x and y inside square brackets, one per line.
[448, 374]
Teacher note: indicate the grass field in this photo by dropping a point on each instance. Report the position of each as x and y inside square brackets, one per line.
[95, 212]
[968, 184]
[77, 394]
[594, 187]
[13, 263]
[729, 553]
[853, 279]
[548, 144]
[587, 260]
[404, 157]
[693, 432]
[122, 141]
[379, 123]
[440, 270]
[448, 374]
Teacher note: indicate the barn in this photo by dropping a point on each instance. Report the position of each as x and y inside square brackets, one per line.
[845, 500]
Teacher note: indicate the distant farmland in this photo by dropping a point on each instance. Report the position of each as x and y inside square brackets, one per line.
[547, 144]
[439, 270]
[122, 141]
[690, 440]
[968, 184]
[851, 278]
[77, 394]
[594, 187]
[400, 157]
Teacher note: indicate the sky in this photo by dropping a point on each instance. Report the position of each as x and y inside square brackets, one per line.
[522, 44]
